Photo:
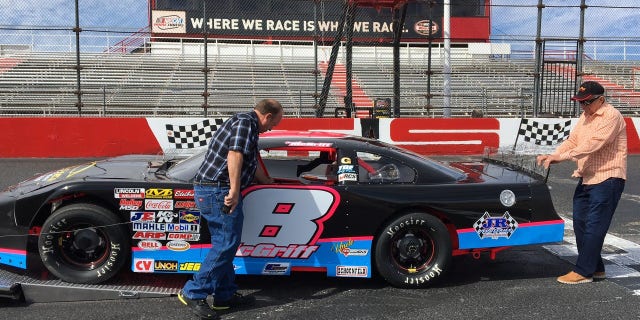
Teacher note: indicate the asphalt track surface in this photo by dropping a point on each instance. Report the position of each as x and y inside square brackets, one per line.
[519, 284]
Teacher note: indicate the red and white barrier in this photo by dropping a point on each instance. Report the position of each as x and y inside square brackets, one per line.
[105, 137]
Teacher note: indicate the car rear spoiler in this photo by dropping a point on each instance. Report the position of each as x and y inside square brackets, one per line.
[520, 160]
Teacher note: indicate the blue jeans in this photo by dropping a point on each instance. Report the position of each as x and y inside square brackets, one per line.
[216, 276]
[593, 208]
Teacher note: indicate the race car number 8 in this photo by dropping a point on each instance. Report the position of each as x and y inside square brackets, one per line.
[286, 215]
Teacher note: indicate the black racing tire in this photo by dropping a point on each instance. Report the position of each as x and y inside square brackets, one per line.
[84, 243]
[413, 251]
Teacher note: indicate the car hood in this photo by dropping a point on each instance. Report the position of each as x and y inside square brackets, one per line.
[124, 167]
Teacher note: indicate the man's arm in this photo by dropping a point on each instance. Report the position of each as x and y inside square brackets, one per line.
[234, 165]
[261, 176]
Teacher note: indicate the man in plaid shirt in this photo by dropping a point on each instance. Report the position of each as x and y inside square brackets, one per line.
[598, 145]
[230, 165]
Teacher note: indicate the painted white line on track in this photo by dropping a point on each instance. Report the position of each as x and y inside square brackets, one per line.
[631, 197]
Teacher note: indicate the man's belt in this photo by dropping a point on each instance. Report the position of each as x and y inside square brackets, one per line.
[212, 183]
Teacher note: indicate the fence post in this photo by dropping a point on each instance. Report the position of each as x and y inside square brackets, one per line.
[77, 30]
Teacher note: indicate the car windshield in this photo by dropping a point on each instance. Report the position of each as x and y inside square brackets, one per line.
[186, 169]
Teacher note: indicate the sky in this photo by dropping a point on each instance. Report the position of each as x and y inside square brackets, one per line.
[603, 18]
[112, 14]
[512, 20]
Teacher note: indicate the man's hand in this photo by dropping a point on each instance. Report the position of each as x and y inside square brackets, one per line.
[231, 202]
[546, 160]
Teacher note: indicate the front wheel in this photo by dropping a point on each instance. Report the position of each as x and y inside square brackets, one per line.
[413, 250]
[83, 243]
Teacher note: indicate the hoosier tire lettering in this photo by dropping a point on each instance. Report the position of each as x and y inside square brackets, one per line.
[413, 250]
[83, 243]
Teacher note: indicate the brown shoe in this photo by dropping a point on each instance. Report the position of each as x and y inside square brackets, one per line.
[573, 278]
[599, 275]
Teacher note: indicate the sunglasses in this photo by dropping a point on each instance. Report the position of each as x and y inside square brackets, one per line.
[588, 102]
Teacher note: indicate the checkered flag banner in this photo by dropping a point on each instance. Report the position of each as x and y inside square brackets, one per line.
[192, 136]
[543, 133]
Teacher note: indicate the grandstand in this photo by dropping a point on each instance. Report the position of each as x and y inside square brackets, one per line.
[147, 84]
[161, 71]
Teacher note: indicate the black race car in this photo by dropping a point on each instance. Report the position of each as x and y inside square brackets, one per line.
[344, 205]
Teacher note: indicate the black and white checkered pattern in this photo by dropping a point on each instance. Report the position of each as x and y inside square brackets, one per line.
[193, 136]
[543, 133]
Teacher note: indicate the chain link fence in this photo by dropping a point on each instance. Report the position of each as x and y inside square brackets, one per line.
[321, 58]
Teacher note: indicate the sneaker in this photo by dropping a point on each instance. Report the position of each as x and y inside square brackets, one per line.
[199, 306]
[574, 278]
[599, 275]
[237, 300]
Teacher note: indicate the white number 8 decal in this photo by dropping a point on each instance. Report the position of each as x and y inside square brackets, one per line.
[286, 215]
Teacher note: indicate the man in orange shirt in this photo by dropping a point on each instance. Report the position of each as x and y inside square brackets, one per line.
[598, 145]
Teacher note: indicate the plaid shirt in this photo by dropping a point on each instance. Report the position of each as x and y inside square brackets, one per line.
[598, 145]
[238, 133]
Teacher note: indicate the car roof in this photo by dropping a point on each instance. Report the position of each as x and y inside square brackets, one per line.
[320, 138]
[302, 134]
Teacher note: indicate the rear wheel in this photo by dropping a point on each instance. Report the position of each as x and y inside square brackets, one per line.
[413, 250]
[83, 243]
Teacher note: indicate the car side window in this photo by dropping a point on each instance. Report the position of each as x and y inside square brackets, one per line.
[374, 168]
[305, 166]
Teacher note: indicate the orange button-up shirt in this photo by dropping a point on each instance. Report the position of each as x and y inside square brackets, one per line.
[598, 145]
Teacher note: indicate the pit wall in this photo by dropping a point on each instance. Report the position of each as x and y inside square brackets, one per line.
[106, 137]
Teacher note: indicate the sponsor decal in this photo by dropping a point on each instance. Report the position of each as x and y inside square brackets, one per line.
[185, 205]
[166, 217]
[149, 235]
[149, 245]
[128, 193]
[345, 160]
[153, 204]
[143, 265]
[308, 144]
[190, 217]
[190, 266]
[426, 27]
[350, 252]
[183, 227]
[183, 193]
[352, 271]
[178, 245]
[184, 236]
[130, 204]
[268, 250]
[143, 216]
[347, 177]
[159, 194]
[147, 226]
[495, 227]
[166, 265]
[345, 249]
[348, 168]
[275, 268]
[164, 21]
